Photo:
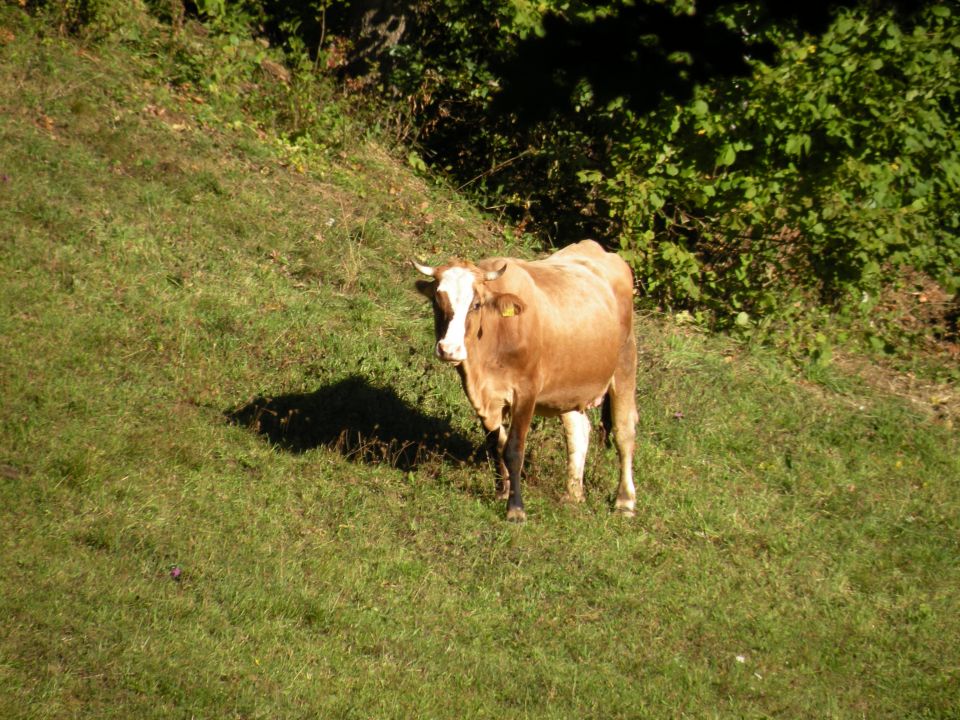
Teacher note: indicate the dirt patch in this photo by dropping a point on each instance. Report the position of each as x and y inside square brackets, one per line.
[921, 309]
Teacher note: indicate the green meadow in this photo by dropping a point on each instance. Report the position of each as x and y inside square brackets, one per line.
[234, 483]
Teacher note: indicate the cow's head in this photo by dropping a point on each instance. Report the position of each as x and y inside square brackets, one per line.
[460, 298]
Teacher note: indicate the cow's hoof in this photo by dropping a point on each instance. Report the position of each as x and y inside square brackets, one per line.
[503, 495]
[571, 499]
[516, 515]
[627, 512]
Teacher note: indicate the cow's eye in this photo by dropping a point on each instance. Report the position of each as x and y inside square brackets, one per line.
[476, 306]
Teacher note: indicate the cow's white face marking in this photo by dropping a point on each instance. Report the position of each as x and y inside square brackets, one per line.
[457, 285]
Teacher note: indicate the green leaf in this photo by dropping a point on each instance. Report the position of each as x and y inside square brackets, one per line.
[690, 287]
[589, 176]
[416, 162]
[798, 144]
[727, 156]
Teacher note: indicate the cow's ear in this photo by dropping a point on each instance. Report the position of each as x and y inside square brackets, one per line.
[427, 288]
[508, 305]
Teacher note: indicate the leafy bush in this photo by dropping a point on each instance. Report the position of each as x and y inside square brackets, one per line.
[821, 175]
[813, 179]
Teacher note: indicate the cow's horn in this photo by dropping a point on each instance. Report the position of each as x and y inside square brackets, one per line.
[425, 269]
[494, 274]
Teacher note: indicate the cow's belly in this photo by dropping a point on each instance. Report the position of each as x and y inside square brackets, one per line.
[581, 394]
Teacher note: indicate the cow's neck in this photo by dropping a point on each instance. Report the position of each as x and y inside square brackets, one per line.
[486, 401]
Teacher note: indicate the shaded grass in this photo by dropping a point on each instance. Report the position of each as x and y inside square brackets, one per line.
[358, 420]
[794, 551]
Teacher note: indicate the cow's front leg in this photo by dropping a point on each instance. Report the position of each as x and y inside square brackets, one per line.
[496, 440]
[576, 430]
[521, 415]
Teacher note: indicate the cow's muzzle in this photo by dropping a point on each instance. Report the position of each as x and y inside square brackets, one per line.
[453, 354]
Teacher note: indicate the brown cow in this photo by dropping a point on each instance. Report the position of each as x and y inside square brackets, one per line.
[550, 337]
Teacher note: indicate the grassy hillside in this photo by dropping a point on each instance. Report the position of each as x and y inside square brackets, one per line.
[233, 482]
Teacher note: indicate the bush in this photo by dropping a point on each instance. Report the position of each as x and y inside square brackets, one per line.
[813, 178]
[822, 175]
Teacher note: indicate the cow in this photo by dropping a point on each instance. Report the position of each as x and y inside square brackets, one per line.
[550, 337]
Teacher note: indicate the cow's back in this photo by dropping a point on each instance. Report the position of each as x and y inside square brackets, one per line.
[582, 301]
[606, 270]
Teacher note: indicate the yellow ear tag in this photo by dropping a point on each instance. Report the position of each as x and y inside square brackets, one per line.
[508, 311]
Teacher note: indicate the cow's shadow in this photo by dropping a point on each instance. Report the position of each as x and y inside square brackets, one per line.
[359, 420]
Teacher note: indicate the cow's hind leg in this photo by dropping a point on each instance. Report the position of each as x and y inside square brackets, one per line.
[576, 430]
[623, 407]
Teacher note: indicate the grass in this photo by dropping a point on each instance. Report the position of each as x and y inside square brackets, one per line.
[213, 359]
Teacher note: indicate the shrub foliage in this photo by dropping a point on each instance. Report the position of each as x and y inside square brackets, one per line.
[824, 173]
[812, 169]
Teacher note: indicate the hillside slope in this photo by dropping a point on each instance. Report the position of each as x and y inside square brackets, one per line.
[233, 482]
